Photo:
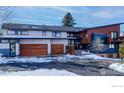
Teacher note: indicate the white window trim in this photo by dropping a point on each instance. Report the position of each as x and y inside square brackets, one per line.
[111, 46]
[24, 32]
[43, 33]
[11, 32]
[54, 34]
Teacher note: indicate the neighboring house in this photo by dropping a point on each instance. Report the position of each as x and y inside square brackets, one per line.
[34, 40]
[38, 40]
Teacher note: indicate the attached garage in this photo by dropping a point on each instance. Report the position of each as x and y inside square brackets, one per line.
[33, 49]
[57, 49]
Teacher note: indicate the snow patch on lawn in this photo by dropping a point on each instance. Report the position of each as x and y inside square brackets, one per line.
[84, 56]
[26, 59]
[40, 72]
[65, 58]
[32, 59]
[2, 59]
[117, 67]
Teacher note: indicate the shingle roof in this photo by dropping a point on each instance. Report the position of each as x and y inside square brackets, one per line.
[16, 26]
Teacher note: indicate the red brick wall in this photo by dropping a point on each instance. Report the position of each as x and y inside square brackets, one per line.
[105, 30]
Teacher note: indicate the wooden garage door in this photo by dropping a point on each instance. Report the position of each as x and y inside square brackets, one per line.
[33, 49]
[57, 49]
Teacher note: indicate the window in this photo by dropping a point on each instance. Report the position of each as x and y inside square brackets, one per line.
[72, 42]
[4, 41]
[44, 33]
[11, 33]
[68, 34]
[85, 35]
[24, 32]
[113, 35]
[56, 34]
[69, 42]
[19, 32]
[111, 45]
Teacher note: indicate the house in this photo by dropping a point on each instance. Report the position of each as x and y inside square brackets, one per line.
[108, 33]
[42, 40]
[34, 40]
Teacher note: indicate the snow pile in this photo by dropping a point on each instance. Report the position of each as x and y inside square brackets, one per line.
[26, 59]
[88, 55]
[93, 56]
[84, 56]
[2, 59]
[40, 72]
[117, 67]
[31, 59]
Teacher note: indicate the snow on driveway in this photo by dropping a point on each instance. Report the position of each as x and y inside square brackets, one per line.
[117, 67]
[39, 72]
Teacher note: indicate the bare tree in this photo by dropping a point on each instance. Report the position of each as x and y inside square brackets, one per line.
[98, 45]
[5, 12]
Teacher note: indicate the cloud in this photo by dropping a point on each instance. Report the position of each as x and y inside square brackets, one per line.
[75, 10]
[108, 13]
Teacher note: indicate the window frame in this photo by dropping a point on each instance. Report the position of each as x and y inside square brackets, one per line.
[24, 32]
[43, 33]
[54, 34]
[111, 46]
[8, 32]
[114, 35]
[4, 41]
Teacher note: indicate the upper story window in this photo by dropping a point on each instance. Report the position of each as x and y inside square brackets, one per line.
[24, 32]
[56, 34]
[71, 34]
[113, 35]
[11, 33]
[85, 35]
[111, 46]
[4, 41]
[43, 33]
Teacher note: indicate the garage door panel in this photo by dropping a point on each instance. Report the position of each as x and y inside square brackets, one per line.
[33, 49]
[57, 49]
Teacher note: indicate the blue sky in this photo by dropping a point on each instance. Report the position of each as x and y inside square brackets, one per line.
[84, 16]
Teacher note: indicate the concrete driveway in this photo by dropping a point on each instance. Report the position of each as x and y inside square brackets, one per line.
[80, 68]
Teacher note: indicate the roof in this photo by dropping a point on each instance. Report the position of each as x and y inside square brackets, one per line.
[105, 25]
[15, 26]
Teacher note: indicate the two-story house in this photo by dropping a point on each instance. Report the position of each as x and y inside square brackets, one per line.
[39, 40]
[34, 40]
[107, 33]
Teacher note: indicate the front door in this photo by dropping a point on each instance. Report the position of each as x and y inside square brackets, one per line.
[12, 48]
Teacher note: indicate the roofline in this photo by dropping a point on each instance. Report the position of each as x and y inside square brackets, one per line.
[105, 25]
[43, 26]
[74, 27]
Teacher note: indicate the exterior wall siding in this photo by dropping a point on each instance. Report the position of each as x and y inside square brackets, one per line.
[4, 49]
[102, 31]
[35, 34]
[34, 41]
[64, 42]
[105, 30]
[4, 45]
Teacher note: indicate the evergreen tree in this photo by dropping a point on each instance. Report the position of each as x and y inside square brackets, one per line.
[68, 20]
[121, 52]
